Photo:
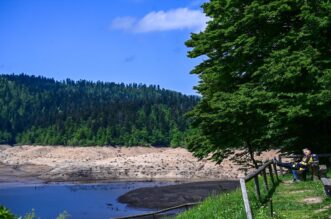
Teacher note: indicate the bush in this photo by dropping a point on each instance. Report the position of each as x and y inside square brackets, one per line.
[5, 213]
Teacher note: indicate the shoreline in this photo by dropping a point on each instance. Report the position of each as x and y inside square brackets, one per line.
[63, 164]
[10, 174]
[195, 179]
[84, 164]
[168, 192]
[28, 178]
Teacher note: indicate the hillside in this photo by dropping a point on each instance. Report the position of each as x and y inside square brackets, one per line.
[38, 110]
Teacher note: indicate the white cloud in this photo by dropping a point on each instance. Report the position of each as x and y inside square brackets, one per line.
[177, 19]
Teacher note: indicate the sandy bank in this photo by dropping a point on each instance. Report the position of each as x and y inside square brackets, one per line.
[60, 163]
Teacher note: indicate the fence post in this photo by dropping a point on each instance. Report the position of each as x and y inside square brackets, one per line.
[257, 187]
[275, 168]
[245, 198]
[281, 168]
[271, 208]
[265, 180]
[271, 175]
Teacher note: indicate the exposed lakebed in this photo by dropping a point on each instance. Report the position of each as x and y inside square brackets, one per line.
[28, 173]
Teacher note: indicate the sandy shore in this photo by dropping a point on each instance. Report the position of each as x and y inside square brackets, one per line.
[58, 163]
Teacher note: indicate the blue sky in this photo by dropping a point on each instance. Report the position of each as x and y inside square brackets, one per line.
[126, 41]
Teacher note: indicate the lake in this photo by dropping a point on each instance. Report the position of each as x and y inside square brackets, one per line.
[81, 201]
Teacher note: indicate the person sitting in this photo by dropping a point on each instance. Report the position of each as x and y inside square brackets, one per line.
[301, 167]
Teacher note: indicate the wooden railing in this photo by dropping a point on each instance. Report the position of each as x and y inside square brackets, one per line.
[300, 155]
[159, 213]
[272, 170]
[269, 166]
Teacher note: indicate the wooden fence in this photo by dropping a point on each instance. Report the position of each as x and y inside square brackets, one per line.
[272, 170]
[158, 214]
[267, 168]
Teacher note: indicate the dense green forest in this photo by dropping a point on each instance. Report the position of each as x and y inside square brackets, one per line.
[38, 110]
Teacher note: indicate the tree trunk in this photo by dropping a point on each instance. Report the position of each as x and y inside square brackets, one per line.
[251, 154]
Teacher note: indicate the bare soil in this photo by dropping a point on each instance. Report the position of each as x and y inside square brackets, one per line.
[174, 195]
[312, 200]
[60, 163]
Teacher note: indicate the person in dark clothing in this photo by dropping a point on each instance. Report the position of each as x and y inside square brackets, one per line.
[302, 166]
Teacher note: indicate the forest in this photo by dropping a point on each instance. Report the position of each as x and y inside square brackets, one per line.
[43, 111]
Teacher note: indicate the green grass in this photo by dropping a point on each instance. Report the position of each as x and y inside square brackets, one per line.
[287, 202]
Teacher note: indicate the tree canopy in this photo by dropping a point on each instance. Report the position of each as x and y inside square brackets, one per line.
[38, 110]
[266, 78]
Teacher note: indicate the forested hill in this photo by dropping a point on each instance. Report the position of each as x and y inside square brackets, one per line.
[37, 110]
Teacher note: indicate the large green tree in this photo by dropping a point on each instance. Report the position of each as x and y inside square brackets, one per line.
[266, 77]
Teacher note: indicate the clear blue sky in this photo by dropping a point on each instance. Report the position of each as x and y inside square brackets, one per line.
[126, 41]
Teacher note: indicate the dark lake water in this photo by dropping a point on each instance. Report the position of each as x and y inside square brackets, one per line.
[81, 201]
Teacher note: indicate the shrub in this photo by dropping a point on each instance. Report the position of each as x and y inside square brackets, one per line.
[5, 213]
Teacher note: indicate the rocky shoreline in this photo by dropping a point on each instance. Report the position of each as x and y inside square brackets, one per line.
[67, 164]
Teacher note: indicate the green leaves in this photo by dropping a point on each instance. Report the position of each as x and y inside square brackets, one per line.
[266, 78]
[5, 213]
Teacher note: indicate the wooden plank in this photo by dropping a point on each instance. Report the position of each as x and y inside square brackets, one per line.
[326, 182]
[323, 167]
[245, 198]
[257, 171]
[275, 169]
[323, 171]
[271, 208]
[271, 175]
[257, 187]
[327, 186]
[299, 155]
[323, 155]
